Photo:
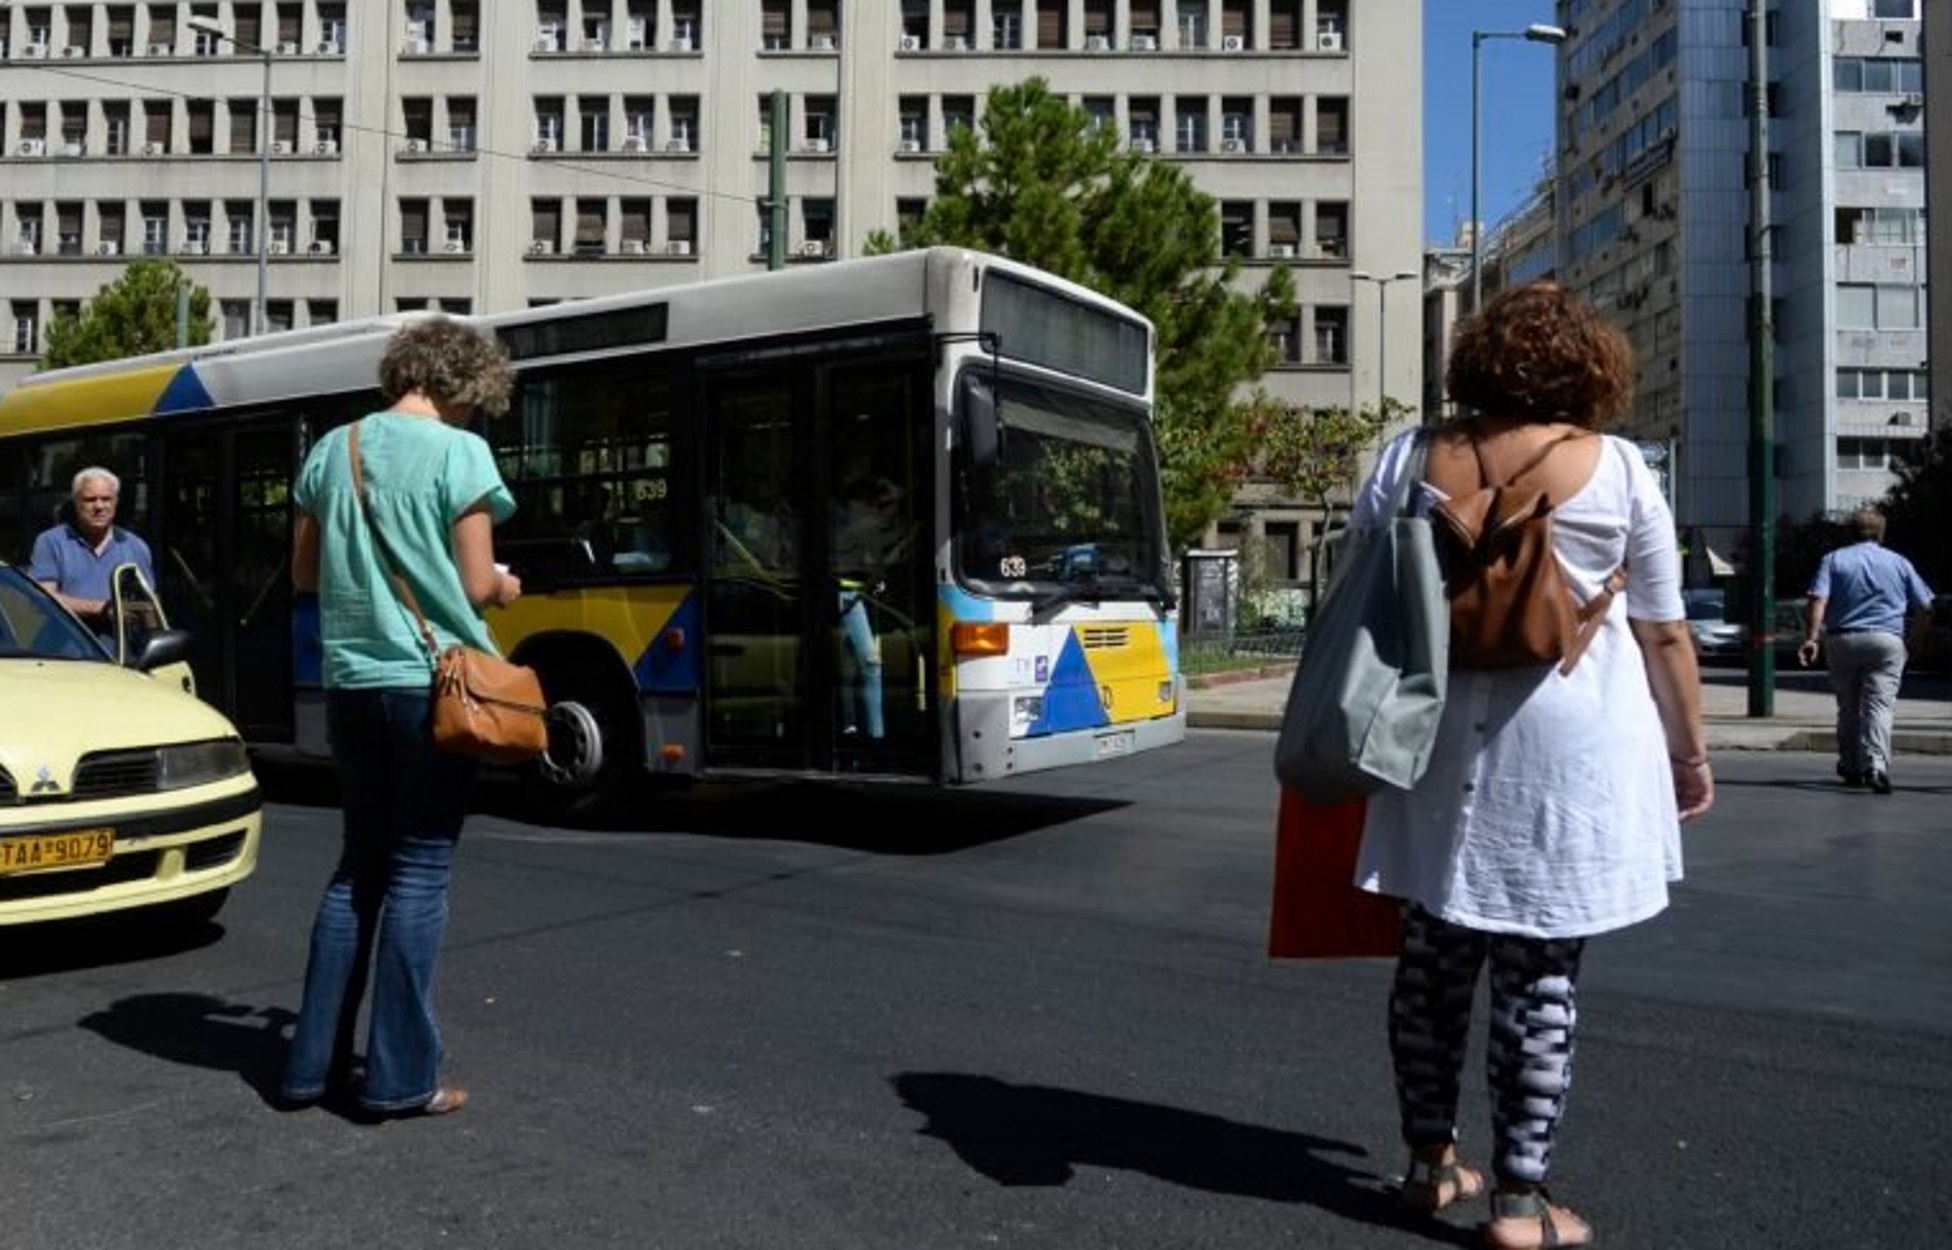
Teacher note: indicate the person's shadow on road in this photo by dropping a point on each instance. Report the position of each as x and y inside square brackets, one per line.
[203, 1031]
[1021, 1135]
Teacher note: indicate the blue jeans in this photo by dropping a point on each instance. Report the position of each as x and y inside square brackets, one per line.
[386, 906]
[864, 656]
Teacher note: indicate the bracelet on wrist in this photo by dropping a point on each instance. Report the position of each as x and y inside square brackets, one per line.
[1697, 761]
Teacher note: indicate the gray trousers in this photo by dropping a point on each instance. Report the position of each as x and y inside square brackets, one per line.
[1865, 670]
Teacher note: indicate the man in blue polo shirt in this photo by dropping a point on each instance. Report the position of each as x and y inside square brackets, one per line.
[1858, 604]
[76, 560]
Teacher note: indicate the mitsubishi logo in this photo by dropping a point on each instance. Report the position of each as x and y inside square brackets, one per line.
[44, 783]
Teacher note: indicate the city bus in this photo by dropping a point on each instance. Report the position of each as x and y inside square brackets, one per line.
[896, 517]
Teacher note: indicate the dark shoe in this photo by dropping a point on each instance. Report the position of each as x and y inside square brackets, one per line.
[1850, 777]
[1879, 780]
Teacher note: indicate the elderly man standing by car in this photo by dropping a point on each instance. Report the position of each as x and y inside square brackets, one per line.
[76, 560]
[1858, 604]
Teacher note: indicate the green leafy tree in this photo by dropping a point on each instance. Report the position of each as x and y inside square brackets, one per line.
[1316, 454]
[1039, 181]
[131, 316]
[1918, 511]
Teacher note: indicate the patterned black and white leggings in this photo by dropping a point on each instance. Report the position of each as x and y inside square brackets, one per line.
[1529, 1052]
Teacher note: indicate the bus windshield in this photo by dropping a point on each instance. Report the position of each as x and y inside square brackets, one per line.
[1069, 509]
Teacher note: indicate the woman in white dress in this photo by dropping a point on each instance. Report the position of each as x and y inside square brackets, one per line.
[1552, 806]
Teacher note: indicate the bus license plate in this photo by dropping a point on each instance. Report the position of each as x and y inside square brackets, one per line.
[57, 850]
[1115, 744]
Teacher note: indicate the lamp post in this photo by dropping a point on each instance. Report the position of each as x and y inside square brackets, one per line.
[1382, 326]
[210, 27]
[1538, 32]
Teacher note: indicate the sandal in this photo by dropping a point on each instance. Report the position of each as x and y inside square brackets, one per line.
[1515, 1217]
[446, 1101]
[1430, 1185]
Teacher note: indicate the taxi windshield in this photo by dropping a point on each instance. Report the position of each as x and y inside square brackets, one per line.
[33, 626]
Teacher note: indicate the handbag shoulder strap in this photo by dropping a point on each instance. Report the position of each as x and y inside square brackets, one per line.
[1400, 503]
[400, 587]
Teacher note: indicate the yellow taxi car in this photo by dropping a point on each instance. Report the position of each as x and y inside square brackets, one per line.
[117, 788]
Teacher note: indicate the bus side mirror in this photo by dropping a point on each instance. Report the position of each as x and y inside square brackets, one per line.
[981, 425]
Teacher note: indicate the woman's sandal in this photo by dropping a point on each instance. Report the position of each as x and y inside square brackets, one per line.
[1530, 1220]
[1430, 1185]
[446, 1101]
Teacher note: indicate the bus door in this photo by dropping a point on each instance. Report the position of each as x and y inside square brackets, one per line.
[223, 565]
[819, 603]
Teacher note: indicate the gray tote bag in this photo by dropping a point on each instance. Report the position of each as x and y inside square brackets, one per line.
[1363, 711]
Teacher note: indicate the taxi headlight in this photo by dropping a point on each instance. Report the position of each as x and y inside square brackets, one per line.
[199, 763]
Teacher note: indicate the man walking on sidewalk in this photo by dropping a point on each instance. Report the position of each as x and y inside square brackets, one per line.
[1857, 607]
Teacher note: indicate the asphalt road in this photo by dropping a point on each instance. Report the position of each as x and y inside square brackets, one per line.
[1033, 1015]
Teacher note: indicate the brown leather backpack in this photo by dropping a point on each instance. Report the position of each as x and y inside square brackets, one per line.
[1510, 603]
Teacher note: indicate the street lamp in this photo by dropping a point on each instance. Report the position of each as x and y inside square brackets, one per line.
[1382, 326]
[1538, 32]
[210, 27]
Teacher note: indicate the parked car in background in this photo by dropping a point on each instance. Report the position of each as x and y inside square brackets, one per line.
[119, 788]
[1715, 636]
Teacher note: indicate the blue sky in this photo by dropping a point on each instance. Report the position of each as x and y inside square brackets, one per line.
[1516, 106]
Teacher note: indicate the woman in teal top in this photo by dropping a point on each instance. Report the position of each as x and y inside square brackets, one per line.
[434, 493]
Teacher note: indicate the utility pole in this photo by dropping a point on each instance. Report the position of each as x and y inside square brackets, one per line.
[1762, 383]
[776, 139]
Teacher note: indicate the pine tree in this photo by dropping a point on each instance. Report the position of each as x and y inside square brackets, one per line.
[132, 316]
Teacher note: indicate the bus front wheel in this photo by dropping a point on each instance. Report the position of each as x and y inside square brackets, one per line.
[592, 758]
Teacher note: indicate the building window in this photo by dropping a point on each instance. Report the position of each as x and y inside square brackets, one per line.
[321, 312]
[589, 227]
[593, 113]
[413, 227]
[1331, 335]
[545, 226]
[1237, 228]
[461, 123]
[458, 215]
[1189, 124]
[1332, 125]
[27, 332]
[236, 314]
[681, 225]
[1006, 24]
[1332, 230]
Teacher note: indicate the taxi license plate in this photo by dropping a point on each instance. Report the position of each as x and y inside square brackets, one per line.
[1115, 744]
[74, 849]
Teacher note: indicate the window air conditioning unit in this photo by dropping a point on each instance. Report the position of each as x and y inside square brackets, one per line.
[74, 51]
[152, 148]
[678, 145]
[288, 48]
[818, 145]
[634, 247]
[955, 43]
[38, 52]
[32, 147]
[26, 247]
[416, 47]
[682, 43]
[1281, 251]
[1142, 145]
[321, 247]
[596, 45]
[331, 47]
[455, 246]
[108, 247]
[821, 43]
[326, 147]
[678, 247]
[416, 145]
[195, 247]
[909, 43]
[281, 147]
[813, 248]
[543, 145]
[635, 143]
[1097, 43]
[1328, 41]
[277, 247]
[73, 147]
[1232, 145]
[541, 247]
[1145, 43]
[911, 145]
[1233, 43]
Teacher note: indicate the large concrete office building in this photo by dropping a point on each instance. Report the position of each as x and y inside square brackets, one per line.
[469, 156]
[1653, 224]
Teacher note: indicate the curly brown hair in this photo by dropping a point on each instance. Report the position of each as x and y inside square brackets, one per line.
[1538, 353]
[448, 362]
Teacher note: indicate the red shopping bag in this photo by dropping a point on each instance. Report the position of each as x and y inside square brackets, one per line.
[1318, 913]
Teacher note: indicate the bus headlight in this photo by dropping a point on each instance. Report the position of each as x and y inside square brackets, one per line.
[1025, 711]
[199, 763]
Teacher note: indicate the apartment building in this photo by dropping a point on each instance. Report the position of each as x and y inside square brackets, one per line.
[1653, 219]
[469, 156]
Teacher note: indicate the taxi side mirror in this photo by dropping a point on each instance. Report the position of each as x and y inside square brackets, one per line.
[160, 648]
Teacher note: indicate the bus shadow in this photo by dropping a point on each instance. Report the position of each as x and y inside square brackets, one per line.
[882, 819]
[1035, 1135]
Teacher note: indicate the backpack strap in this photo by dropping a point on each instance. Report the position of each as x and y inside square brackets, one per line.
[1586, 622]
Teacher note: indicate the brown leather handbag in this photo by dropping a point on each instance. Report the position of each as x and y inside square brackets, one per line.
[483, 705]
